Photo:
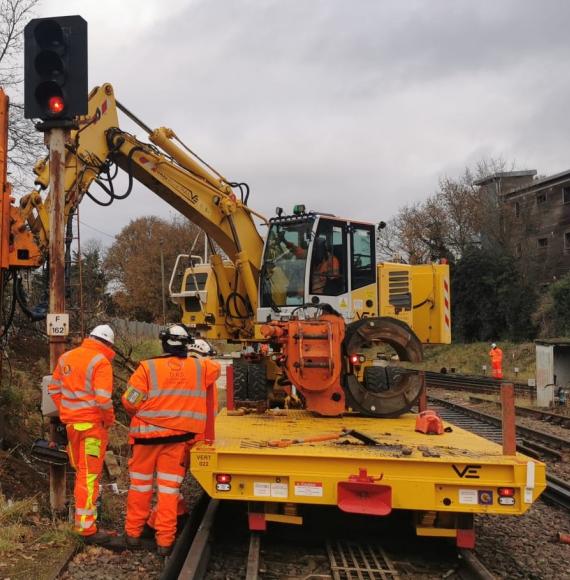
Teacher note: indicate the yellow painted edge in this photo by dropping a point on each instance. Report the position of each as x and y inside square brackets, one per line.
[436, 532]
[284, 519]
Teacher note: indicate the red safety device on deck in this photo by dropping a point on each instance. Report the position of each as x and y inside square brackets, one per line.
[430, 423]
[361, 495]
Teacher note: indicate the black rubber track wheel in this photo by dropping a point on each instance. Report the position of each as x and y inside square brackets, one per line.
[240, 380]
[256, 382]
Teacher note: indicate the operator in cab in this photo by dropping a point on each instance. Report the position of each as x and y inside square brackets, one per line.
[166, 398]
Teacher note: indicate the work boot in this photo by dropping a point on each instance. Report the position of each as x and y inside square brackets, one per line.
[164, 551]
[98, 538]
[132, 542]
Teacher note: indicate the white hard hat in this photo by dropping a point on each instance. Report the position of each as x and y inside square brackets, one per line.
[201, 346]
[175, 335]
[494, 345]
[104, 332]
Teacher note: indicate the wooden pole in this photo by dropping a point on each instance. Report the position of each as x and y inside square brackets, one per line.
[56, 140]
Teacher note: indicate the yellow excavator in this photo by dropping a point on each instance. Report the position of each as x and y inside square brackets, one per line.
[312, 290]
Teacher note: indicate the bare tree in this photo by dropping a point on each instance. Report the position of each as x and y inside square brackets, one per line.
[450, 221]
[24, 142]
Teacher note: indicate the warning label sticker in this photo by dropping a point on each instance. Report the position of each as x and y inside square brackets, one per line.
[279, 490]
[266, 489]
[468, 496]
[261, 489]
[309, 488]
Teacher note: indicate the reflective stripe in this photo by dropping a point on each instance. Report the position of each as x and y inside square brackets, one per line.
[167, 413]
[106, 406]
[166, 489]
[181, 393]
[198, 366]
[89, 372]
[102, 393]
[169, 477]
[74, 394]
[86, 524]
[84, 512]
[154, 388]
[140, 487]
[147, 429]
[55, 382]
[143, 476]
[78, 404]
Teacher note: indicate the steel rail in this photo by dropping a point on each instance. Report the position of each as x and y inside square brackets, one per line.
[474, 384]
[552, 441]
[546, 416]
[557, 491]
[177, 559]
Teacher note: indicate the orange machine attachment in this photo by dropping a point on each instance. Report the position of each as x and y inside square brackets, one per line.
[312, 358]
[17, 245]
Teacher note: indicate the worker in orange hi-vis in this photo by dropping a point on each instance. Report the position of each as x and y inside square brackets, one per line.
[200, 349]
[166, 397]
[81, 387]
[496, 355]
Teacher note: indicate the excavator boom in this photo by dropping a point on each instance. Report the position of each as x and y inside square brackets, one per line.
[177, 176]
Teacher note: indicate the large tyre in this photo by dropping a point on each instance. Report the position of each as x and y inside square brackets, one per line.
[256, 382]
[395, 391]
[240, 380]
[376, 379]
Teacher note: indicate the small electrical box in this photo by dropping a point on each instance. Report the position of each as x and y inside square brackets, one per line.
[48, 406]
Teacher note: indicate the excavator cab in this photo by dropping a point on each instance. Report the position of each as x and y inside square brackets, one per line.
[312, 258]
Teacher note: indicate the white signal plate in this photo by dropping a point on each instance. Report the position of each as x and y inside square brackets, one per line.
[58, 324]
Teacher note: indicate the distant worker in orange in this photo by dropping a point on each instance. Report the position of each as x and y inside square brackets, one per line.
[81, 387]
[166, 397]
[496, 355]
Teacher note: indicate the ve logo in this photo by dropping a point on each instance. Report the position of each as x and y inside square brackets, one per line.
[468, 471]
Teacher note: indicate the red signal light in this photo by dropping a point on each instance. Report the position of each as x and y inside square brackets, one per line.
[223, 478]
[356, 359]
[56, 105]
[506, 491]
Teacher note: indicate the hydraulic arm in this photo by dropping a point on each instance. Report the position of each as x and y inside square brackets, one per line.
[168, 169]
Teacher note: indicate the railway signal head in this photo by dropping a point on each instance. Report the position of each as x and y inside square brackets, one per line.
[55, 69]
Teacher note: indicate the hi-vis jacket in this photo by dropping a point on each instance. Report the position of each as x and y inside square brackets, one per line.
[167, 396]
[496, 355]
[82, 384]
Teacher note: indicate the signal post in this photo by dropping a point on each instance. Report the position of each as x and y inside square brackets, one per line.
[55, 91]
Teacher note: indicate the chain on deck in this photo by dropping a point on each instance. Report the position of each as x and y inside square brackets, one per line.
[354, 561]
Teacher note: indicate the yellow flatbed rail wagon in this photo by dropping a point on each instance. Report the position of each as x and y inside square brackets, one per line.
[276, 461]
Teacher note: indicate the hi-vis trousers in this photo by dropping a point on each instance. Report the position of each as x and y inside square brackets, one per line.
[87, 446]
[169, 462]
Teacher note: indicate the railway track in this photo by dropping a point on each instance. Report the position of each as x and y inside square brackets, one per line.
[546, 416]
[529, 441]
[338, 559]
[474, 384]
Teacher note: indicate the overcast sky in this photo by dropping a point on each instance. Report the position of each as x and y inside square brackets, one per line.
[353, 107]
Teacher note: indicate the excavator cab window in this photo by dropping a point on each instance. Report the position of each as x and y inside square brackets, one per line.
[328, 262]
[283, 273]
[363, 266]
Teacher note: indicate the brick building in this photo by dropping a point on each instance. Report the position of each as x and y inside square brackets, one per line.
[536, 219]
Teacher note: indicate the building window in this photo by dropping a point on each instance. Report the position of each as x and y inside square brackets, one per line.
[540, 198]
[518, 250]
[566, 195]
[567, 241]
[517, 209]
[543, 243]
